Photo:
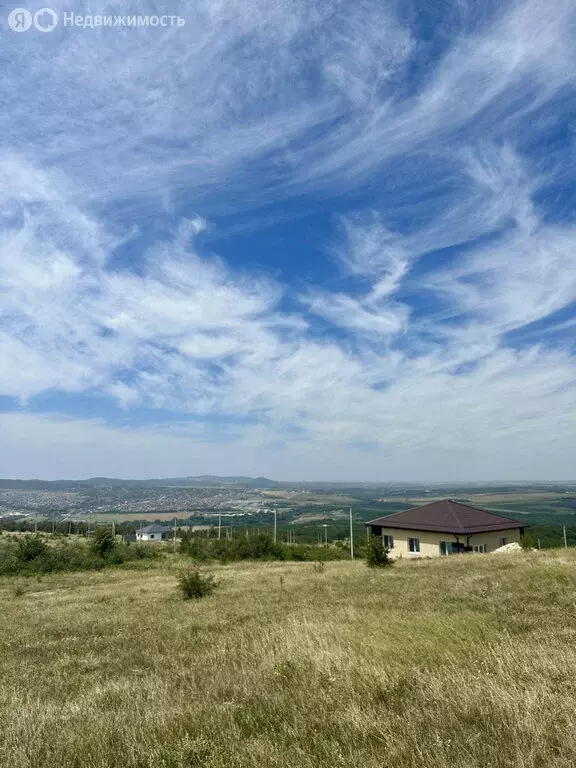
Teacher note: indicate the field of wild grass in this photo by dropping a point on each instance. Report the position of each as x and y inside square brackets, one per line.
[468, 661]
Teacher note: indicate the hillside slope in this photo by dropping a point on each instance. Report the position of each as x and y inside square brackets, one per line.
[463, 662]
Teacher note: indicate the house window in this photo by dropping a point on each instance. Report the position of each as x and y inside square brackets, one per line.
[414, 545]
[388, 541]
[151, 535]
[448, 548]
[503, 541]
[479, 548]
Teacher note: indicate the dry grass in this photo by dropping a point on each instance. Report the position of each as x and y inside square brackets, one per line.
[465, 662]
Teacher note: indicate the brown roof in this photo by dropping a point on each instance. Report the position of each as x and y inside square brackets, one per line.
[447, 516]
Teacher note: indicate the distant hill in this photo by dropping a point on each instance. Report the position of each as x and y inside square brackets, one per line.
[202, 481]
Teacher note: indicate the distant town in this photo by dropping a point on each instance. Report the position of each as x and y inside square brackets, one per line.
[251, 502]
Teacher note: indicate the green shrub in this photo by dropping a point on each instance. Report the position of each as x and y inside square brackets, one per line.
[377, 555]
[194, 585]
[126, 553]
[9, 563]
[255, 547]
[30, 548]
[528, 542]
[30, 556]
[103, 541]
[143, 552]
[197, 548]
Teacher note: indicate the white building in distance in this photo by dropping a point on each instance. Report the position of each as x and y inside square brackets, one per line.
[154, 533]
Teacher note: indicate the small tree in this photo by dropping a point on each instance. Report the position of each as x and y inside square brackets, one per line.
[103, 541]
[377, 555]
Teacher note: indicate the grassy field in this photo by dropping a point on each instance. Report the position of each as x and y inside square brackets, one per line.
[468, 661]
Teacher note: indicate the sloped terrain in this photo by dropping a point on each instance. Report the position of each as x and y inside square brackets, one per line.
[463, 662]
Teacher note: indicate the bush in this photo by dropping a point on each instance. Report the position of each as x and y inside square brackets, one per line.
[255, 547]
[197, 548]
[194, 585]
[30, 548]
[377, 555]
[30, 556]
[143, 552]
[528, 542]
[103, 541]
[29, 559]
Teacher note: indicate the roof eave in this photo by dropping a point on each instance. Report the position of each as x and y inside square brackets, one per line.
[508, 525]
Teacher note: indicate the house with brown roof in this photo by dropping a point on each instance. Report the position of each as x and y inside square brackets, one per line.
[444, 527]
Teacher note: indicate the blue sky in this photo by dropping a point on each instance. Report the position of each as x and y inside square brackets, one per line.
[310, 240]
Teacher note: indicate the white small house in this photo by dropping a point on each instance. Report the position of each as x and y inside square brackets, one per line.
[154, 533]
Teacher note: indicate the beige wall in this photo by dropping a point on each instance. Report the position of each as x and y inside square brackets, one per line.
[430, 542]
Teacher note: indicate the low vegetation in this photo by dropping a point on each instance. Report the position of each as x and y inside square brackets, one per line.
[255, 547]
[33, 554]
[377, 556]
[459, 662]
[193, 585]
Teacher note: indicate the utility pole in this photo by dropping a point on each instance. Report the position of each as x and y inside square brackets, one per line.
[351, 537]
[219, 526]
[565, 540]
[114, 529]
[275, 523]
[174, 536]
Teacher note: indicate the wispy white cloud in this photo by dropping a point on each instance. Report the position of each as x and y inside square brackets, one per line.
[519, 281]
[261, 102]
[374, 254]
[307, 90]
